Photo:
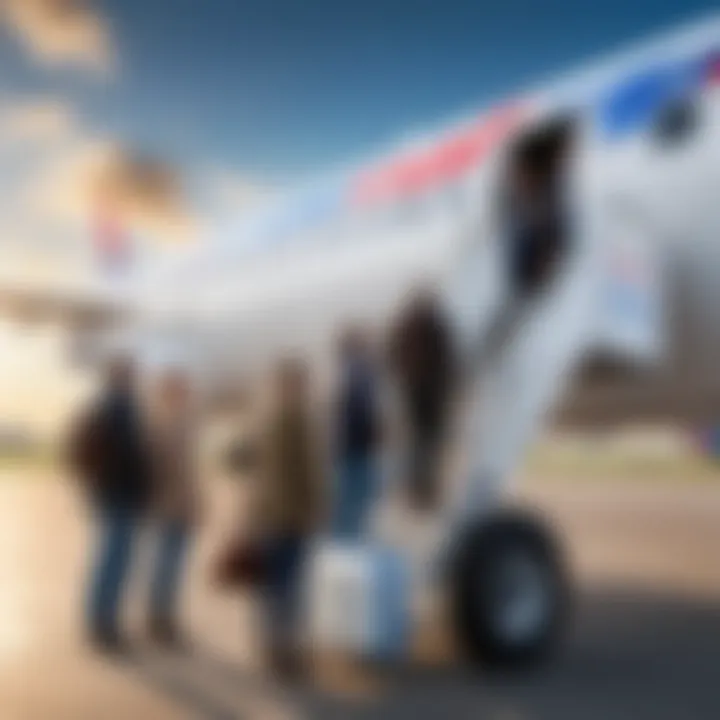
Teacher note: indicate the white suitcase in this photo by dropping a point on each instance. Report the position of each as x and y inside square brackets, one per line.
[359, 600]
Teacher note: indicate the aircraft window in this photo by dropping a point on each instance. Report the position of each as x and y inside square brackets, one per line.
[677, 122]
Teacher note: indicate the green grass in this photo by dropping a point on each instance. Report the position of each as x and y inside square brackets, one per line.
[39, 459]
[550, 462]
[547, 462]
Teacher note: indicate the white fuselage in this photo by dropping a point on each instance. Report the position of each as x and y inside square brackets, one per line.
[235, 307]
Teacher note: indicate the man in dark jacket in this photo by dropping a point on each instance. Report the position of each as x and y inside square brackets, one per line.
[422, 356]
[119, 497]
[535, 224]
[357, 428]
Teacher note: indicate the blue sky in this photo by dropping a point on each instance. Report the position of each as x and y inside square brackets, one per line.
[236, 94]
[277, 89]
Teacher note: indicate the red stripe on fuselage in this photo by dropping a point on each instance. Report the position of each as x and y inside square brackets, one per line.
[451, 158]
[712, 72]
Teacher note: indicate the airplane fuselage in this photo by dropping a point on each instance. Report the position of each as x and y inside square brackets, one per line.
[353, 250]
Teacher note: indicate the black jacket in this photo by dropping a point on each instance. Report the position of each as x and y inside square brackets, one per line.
[124, 465]
[358, 418]
[422, 354]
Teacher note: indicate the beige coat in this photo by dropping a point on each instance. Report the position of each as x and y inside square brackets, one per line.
[175, 467]
[289, 498]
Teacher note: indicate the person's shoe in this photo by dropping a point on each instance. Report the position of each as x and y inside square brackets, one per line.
[108, 641]
[165, 632]
[286, 665]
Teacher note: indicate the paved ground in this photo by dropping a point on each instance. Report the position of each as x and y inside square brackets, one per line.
[646, 642]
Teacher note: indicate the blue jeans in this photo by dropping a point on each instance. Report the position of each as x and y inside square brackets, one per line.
[117, 529]
[285, 563]
[354, 495]
[173, 544]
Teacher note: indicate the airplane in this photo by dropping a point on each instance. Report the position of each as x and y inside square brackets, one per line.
[625, 331]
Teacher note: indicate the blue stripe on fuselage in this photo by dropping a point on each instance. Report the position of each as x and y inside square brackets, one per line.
[637, 100]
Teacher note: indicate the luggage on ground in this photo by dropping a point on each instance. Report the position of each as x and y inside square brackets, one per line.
[359, 600]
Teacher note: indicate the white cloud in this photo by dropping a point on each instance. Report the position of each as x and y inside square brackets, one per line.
[98, 175]
[40, 121]
[56, 177]
[62, 32]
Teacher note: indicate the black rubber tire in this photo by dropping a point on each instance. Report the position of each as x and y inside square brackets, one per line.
[475, 585]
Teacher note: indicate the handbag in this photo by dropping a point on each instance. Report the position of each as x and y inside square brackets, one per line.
[241, 564]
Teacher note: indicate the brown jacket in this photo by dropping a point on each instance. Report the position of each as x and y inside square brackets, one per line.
[175, 468]
[290, 482]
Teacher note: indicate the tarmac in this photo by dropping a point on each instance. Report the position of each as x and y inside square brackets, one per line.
[645, 641]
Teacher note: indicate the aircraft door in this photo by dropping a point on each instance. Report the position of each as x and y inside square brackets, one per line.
[631, 320]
